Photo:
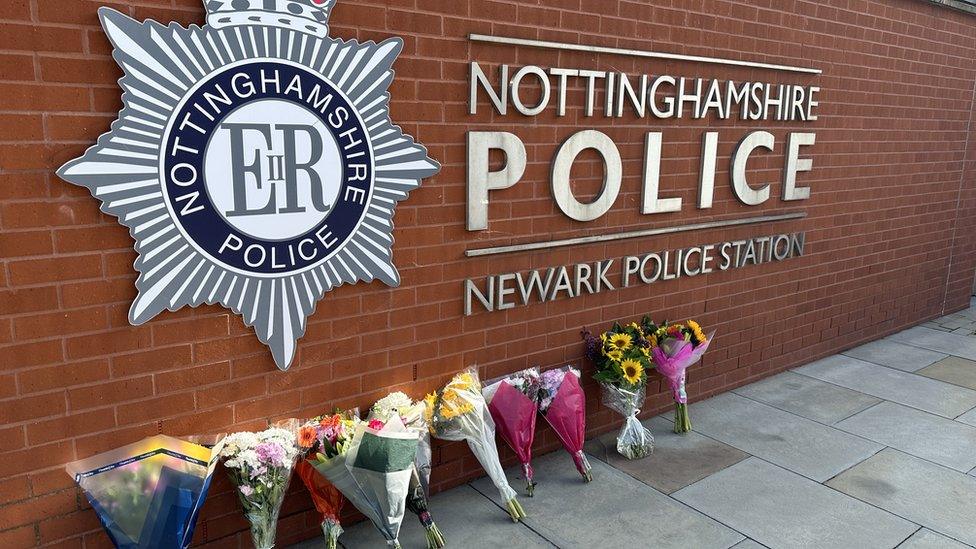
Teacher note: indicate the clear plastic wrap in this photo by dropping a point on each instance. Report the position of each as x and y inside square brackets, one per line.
[370, 465]
[412, 415]
[512, 402]
[148, 494]
[675, 353]
[260, 466]
[381, 459]
[634, 440]
[328, 501]
[459, 412]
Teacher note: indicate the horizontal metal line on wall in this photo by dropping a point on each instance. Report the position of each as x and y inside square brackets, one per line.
[635, 53]
[631, 234]
[961, 5]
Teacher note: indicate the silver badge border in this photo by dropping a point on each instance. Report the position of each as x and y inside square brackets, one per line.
[161, 64]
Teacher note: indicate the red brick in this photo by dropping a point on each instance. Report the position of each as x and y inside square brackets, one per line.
[889, 229]
[18, 537]
[30, 354]
[60, 323]
[14, 489]
[31, 38]
[14, 411]
[62, 375]
[27, 511]
[34, 271]
[26, 300]
[110, 393]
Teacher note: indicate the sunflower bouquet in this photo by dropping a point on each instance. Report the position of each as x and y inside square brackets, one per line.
[412, 414]
[459, 412]
[622, 358]
[675, 347]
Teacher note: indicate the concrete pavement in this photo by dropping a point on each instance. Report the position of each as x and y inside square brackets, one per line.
[871, 448]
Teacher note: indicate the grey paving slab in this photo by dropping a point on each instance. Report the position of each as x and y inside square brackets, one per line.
[678, 460]
[886, 383]
[783, 510]
[615, 510]
[895, 355]
[927, 539]
[465, 516]
[919, 433]
[933, 496]
[811, 398]
[955, 370]
[748, 544]
[969, 418]
[935, 340]
[806, 447]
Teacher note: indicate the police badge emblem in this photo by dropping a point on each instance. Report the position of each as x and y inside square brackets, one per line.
[254, 162]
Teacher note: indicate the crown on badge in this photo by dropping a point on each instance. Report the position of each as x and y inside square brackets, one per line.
[309, 16]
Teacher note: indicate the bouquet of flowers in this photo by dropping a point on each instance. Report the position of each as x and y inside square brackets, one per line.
[675, 347]
[563, 404]
[148, 494]
[459, 412]
[260, 465]
[622, 357]
[371, 464]
[512, 404]
[322, 439]
[412, 415]
[327, 498]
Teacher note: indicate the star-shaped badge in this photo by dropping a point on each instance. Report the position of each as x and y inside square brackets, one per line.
[254, 162]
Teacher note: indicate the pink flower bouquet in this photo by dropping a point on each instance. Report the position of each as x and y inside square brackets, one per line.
[512, 404]
[563, 404]
[674, 348]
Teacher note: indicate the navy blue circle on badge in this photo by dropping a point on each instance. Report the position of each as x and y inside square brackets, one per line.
[184, 175]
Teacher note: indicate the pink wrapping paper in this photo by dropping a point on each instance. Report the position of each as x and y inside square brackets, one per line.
[673, 358]
[514, 415]
[567, 417]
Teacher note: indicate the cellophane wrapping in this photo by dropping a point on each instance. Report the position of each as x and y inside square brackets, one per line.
[672, 357]
[381, 460]
[260, 466]
[459, 412]
[634, 440]
[512, 403]
[412, 415]
[328, 501]
[563, 405]
[148, 494]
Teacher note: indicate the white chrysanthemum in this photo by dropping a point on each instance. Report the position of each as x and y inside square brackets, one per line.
[392, 403]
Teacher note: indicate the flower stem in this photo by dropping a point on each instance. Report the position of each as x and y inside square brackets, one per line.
[682, 422]
[515, 510]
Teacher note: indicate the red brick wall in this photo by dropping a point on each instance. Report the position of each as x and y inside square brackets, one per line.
[889, 233]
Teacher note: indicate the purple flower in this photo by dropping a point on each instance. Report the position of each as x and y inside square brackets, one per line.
[271, 454]
[247, 490]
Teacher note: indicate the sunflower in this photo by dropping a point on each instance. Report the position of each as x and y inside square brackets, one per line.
[633, 371]
[621, 341]
[616, 354]
[652, 340]
[697, 332]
